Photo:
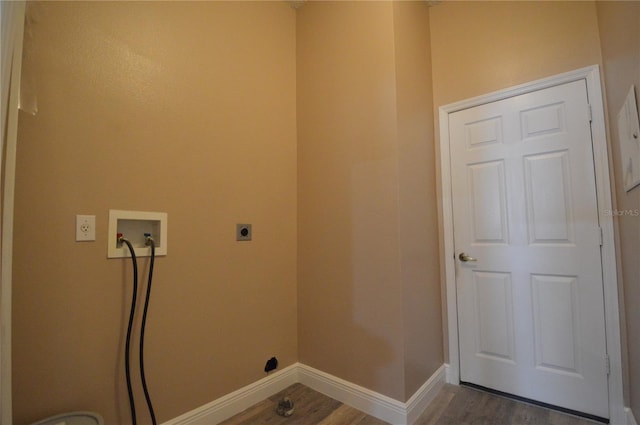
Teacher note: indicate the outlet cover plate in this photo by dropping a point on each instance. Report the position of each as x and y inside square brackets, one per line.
[243, 232]
[85, 228]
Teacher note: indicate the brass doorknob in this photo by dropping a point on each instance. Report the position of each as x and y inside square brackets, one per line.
[464, 257]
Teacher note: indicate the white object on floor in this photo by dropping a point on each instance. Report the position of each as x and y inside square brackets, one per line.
[73, 418]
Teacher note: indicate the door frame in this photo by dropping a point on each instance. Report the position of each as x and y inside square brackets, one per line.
[591, 75]
[12, 15]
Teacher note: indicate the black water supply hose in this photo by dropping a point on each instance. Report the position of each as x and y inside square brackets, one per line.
[127, 348]
[152, 244]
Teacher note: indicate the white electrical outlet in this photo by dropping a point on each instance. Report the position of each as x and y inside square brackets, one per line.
[85, 228]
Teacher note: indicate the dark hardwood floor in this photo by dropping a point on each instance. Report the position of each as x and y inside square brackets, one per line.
[452, 406]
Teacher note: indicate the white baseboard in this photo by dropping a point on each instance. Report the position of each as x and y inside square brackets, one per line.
[425, 395]
[631, 420]
[363, 399]
[237, 401]
[448, 373]
[371, 402]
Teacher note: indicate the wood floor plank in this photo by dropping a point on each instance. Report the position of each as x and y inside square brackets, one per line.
[370, 420]
[558, 418]
[310, 406]
[530, 415]
[464, 408]
[437, 407]
[257, 410]
[453, 405]
[498, 410]
[344, 415]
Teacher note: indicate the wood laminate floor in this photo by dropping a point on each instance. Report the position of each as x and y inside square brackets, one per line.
[452, 406]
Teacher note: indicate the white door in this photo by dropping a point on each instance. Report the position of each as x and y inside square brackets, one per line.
[530, 293]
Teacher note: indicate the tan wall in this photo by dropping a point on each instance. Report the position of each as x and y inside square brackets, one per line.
[418, 221]
[363, 151]
[481, 47]
[197, 117]
[349, 297]
[187, 108]
[619, 24]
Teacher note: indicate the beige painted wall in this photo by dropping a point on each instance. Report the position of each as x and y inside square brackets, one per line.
[417, 212]
[209, 99]
[187, 108]
[349, 296]
[366, 285]
[619, 23]
[481, 47]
